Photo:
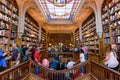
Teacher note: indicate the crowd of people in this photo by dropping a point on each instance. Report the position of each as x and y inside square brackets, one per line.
[58, 64]
[18, 55]
[63, 48]
[21, 54]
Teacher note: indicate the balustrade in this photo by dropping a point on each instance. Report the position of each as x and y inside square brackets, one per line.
[67, 74]
[103, 73]
[16, 72]
[23, 71]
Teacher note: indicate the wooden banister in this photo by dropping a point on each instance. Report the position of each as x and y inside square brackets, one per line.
[99, 71]
[24, 69]
[16, 72]
[104, 73]
[67, 74]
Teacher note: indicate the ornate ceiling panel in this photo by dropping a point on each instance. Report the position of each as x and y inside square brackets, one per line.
[37, 15]
[60, 9]
[58, 12]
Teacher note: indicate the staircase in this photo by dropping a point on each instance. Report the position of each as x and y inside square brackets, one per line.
[88, 76]
[93, 71]
[33, 77]
[85, 77]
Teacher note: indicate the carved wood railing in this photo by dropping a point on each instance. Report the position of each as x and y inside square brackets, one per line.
[24, 69]
[16, 72]
[103, 73]
[67, 74]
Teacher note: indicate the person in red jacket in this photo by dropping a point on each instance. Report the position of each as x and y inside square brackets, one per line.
[37, 57]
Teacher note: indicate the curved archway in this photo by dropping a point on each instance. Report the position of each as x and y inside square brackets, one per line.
[28, 6]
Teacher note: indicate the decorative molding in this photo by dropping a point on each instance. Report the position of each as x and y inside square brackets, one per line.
[38, 4]
[60, 22]
[97, 10]
[81, 4]
[59, 31]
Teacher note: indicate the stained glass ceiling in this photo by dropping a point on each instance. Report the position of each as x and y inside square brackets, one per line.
[60, 9]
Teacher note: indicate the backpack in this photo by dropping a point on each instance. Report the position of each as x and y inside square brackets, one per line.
[25, 58]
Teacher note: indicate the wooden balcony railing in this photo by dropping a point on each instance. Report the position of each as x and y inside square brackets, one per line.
[67, 74]
[103, 73]
[17, 72]
[22, 71]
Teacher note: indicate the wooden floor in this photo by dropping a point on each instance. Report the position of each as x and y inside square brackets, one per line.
[85, 77]
[34, 77]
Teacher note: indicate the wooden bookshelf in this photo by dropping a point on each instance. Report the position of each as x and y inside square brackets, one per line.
[77, 40]
[31, 32]
[77, 34]
[111, 22]
[89, 36]
[14, 25]
[8, 23]
[43, 39]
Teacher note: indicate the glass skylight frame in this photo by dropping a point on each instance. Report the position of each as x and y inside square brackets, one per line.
[57, 11]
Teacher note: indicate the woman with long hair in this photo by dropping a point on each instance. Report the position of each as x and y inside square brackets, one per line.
[111, 58]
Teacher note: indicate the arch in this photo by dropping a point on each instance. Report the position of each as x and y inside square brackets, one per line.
[97, 10]
[40, 8]
[93, 7]
[99, 2]
[81, 4]
[28, 6]
[102, 2]
[22, 10]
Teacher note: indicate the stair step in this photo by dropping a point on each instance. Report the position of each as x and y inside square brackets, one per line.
[88, 76]
[34, 77]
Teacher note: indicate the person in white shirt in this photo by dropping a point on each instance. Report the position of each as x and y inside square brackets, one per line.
[70, 65]
[82, 56]
[49, 49]
[82, 60]
[85, 49]
[111, 58]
